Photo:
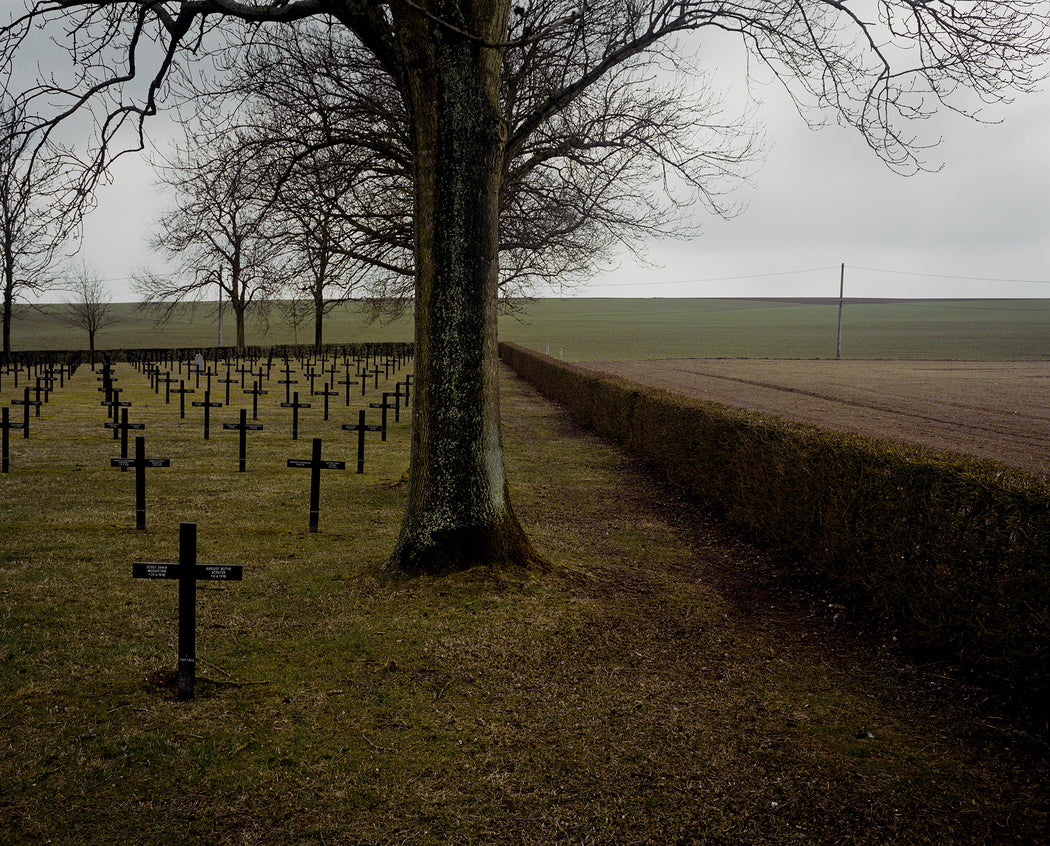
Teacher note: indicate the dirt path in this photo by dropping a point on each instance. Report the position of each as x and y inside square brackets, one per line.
[992, 410]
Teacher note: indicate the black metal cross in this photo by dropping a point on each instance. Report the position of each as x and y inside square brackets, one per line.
[140, 463]
[121, 429]
[316, 465]
[347, 381]
[244, 426]
[182, 390]
[6, 425]
[295, 405]
[326, 393]
[287, 381]
[187, 571]
[114, 403]
[207, 405]
[407, 385]
[26, 402]
[361, 428]
[227, 382]
[255, 391]
[385, 404]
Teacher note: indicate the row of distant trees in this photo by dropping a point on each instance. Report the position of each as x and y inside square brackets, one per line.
[295, 181]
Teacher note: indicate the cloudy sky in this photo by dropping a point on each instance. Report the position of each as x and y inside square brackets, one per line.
[979, 227]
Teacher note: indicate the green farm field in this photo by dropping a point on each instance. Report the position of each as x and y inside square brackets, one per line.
[591, 329]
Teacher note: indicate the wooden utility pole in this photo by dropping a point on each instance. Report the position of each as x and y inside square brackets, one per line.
[842, 279]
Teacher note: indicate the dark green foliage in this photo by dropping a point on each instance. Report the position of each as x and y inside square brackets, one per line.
[956, 552]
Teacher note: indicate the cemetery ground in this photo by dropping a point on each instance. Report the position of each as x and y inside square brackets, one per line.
[667, 683]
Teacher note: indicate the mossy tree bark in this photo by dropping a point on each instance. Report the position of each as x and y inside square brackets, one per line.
[318, 323]
[458, 514]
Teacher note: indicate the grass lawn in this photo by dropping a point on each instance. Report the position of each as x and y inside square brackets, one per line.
[668, 684]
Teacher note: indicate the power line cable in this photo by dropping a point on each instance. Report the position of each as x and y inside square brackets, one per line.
[815, 270]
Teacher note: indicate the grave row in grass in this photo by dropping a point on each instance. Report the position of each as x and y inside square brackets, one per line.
[118, 422]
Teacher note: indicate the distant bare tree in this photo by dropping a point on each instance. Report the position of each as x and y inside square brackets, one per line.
[89, 306]
[34, 214]
[220, 232]
[322, 248]
[325, 117]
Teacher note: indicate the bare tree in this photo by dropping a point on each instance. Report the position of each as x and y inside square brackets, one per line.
[319, 109]
[89, 306]
[874, 68]
[219, 233]
[327, 262]
[625, 161]
[34, 219]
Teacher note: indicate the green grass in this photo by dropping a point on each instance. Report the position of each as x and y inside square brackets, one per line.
[668, 684]
[602, 329]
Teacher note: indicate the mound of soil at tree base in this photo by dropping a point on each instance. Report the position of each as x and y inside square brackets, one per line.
[991, 410]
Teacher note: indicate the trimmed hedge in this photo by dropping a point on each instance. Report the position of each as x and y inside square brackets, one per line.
[956, 552]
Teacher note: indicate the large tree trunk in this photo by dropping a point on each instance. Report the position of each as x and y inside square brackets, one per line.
[318, 322]
[8, 309]
[457, 514]
[9, 301]
[238, 315]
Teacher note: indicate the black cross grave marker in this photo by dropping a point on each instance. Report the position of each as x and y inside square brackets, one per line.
[114, 403]
[207, 405]
[123, 427]
[153, 372]
[140, 463]
[26, 403]
[182, 390]
[244, 426]
[287, 381]
[347, 381]
[407, 386]
[187, 571]
[227, 382]
[361, 428]
[316, 465]
[295, 405]
[385, 404]
[326, 393]
[7, 425]
[255, 391]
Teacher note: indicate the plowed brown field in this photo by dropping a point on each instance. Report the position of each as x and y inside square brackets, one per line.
[991, 410]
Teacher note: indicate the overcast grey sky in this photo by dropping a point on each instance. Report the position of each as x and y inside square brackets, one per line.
[980, 227]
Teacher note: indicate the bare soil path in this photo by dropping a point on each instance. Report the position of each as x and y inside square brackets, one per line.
[991, 410]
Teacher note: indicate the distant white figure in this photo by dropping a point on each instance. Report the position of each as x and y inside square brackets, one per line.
[198, 362]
